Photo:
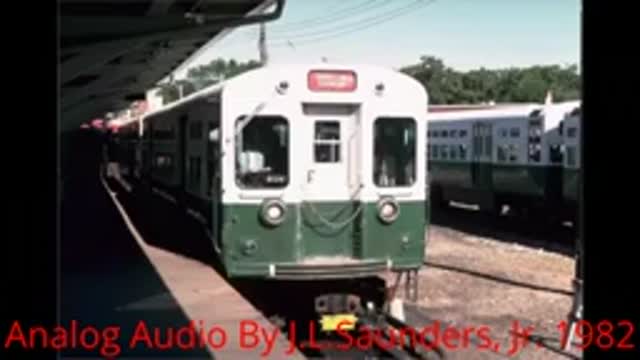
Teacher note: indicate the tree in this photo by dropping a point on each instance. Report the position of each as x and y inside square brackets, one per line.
[203, 76]
[446, 85]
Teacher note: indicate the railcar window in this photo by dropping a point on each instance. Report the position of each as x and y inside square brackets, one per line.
[452, 152]
[326, 143]
[572, 132]
[445, 133]
[502, 154]
[435, 151]
[443, 151]
[555, 154]
[503, 133]
[463, 133]
[394, 152]
[262, 153]
[487, 145]
[513, 153]
[534, 152]
[452, 133]
[515, 132]
[434, 134]
[463, 152]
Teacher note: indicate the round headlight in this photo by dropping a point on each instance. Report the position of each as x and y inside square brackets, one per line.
[388, 209]
[273, 212]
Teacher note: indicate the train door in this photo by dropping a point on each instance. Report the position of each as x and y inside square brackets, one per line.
[331, 184]
[481, 155]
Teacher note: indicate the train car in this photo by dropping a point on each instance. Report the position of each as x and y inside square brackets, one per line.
[300, 172]
[509, 156]
[571, 171]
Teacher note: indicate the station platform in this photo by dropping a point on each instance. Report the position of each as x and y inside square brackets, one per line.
[115, 274]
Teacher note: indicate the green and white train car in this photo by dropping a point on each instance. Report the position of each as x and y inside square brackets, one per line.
[504, 156]
[299, 171]
[571, 171]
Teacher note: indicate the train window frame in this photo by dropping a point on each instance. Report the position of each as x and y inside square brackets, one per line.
[331, 144]
[501, 156]
[463, 133]
[407, 163]
[513, 153]
[572, 132]
[243, 185]
[555, 155]
[462, 150]
[514, 132]
[453, 154]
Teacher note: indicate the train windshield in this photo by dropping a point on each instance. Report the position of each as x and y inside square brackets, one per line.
[394, 152]
[262, 156]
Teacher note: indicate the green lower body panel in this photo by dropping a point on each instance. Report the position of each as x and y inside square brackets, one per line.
[322, 240]
[538, 181]
[570, 183]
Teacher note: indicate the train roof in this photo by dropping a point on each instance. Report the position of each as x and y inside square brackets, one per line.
[283, 68]
[502, 112]
[553, 112]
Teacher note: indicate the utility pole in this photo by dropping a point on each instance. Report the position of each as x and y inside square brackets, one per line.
[262, 45]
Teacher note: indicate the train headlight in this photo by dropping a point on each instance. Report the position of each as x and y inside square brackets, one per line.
[388, 210]
[273, 212]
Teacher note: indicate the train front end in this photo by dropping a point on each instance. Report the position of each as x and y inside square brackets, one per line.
[322, 175]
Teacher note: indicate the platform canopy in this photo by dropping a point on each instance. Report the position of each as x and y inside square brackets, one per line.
[113, 51]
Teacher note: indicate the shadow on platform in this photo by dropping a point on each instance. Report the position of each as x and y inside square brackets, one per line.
[106, 279]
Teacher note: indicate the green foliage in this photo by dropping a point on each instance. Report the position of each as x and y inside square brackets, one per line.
[205, 75]
[448, 86]
[444, 84]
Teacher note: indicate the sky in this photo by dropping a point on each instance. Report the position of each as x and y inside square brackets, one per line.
[465, 34]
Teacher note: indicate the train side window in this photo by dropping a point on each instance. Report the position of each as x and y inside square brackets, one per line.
[262, 152]
[534, 152]
[488, 145]
[452, 152]
[555, 154]
[434, 134]
[435, 151]
[463, 133]
[515, 132]
[444, 133]
[394, 152]
[572, 132]
[326, 143]
[443, 151]
[513, 153]
[502, 154]
[463, 152]
[503, 133]
[452, 133]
